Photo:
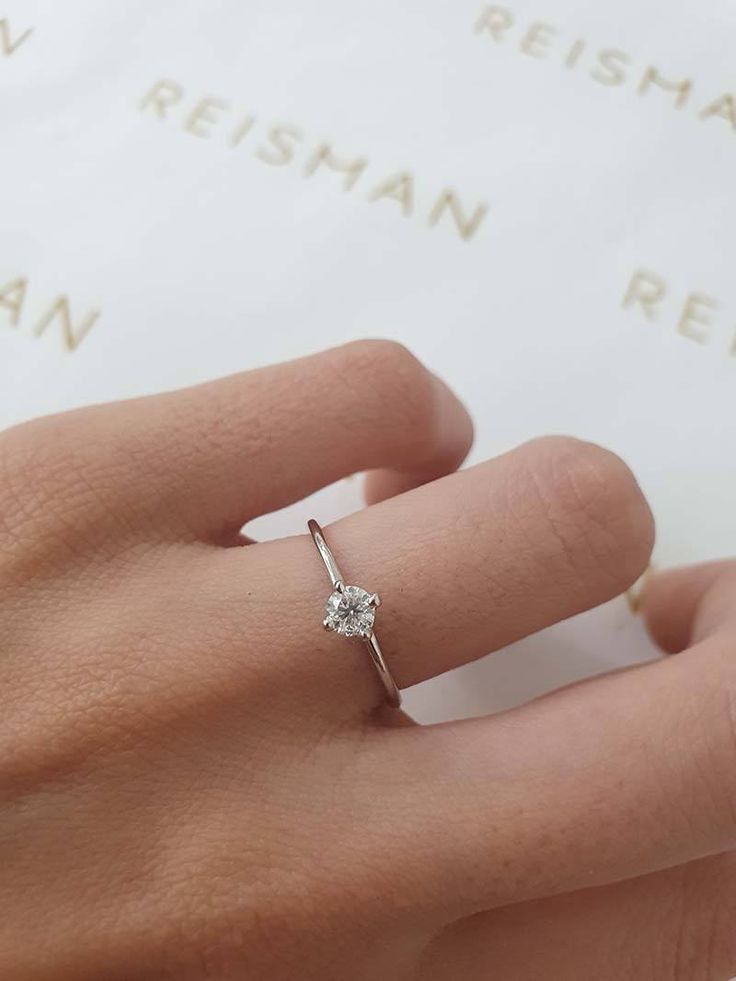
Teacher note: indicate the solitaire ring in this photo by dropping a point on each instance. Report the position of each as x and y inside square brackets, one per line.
[351, 611]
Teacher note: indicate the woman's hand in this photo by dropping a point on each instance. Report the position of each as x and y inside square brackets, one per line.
[193, 783]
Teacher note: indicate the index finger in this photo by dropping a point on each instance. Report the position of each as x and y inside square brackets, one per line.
[204, 460]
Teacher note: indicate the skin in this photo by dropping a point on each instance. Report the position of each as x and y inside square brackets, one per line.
[195, 782]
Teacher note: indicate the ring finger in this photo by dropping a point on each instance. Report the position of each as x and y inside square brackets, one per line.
[464, 565]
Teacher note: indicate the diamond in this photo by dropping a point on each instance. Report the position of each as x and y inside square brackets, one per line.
[351, 612]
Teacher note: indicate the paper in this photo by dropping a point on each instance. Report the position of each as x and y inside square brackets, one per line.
[537, 200]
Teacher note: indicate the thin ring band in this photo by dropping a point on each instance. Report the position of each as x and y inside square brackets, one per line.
[350, 611]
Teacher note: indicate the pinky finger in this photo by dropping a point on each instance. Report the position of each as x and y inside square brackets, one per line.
[678, 605]
[674, 924]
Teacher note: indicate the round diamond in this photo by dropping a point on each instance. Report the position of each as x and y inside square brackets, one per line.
[350, 612]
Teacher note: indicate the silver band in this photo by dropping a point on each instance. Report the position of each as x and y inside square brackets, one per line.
[350, 611]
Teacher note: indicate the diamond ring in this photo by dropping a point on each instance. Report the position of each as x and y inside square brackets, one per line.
[351, 612]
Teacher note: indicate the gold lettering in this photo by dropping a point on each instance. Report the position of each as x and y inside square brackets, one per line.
[279, 137]
[7, 45]
[647, 289]
[725, 107]
[695, 314]
[652, 77]
[59, 309]
[633, 601]
[537, 40]
[400, 187]
[495, 20]
[352, 169]
[279, 147]
[635, 593]
[204, 115]
[162, 96]
[12, 297]
[467, 227]
[573, 56]
[610, 68]
[241, 130]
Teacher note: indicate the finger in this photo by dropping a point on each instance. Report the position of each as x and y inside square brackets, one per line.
[464, 565]
[210, 458]
[672, 601]
[452, 442]
[611, 779]
[674, 924]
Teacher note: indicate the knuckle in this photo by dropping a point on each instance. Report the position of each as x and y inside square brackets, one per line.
[382, 354]
[595, 507]
[400, 382]
[386, 363]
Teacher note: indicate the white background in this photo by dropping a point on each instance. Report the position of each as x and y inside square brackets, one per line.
[204, 260]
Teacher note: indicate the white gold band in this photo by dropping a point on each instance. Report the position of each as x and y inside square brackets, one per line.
[350, 611]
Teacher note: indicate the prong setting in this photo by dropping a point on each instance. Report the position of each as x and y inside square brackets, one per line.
[350, 611]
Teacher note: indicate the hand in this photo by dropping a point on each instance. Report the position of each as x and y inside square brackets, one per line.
[193, 782]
